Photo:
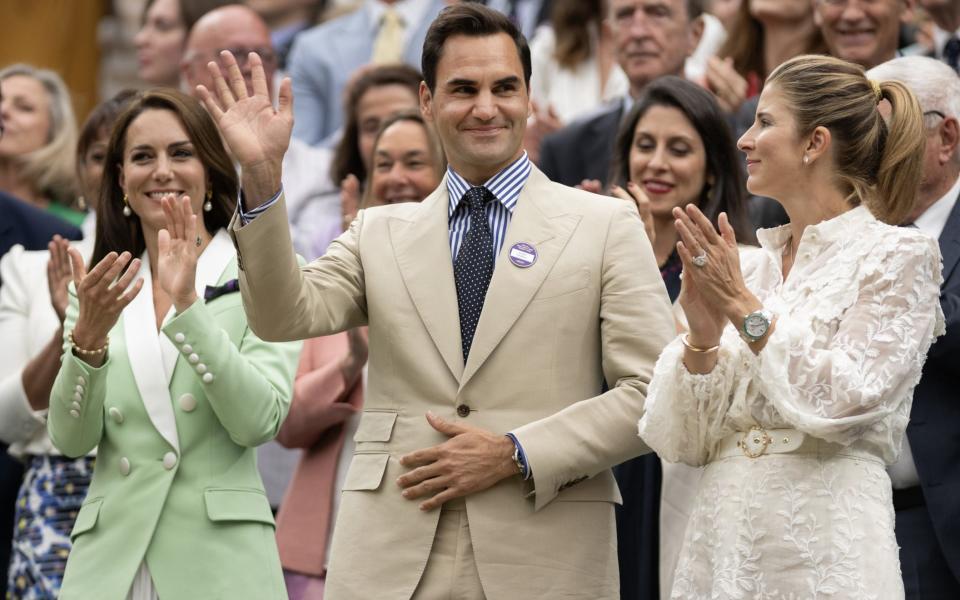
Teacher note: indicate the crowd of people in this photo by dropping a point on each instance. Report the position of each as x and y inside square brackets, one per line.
[620, 299]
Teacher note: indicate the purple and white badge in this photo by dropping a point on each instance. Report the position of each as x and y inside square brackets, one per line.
[523, 255]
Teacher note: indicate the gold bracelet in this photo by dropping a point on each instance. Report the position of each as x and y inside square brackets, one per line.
[697, 349]
[85, 352]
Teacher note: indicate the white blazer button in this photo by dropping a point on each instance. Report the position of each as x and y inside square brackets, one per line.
[188, 402]
[77, 397]
[187, 348]
[201, 368]
[116, 415]
[193, 358]
[81, 380]
[207, 377]
[169, 460]
[75, 405]
[180, 338]
[75, 413]
[78, 389]
[124, 466]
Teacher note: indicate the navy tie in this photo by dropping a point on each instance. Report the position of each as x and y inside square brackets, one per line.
[951, 53]
[473, 267]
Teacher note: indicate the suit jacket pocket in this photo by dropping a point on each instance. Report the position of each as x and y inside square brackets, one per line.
[375, 426]
[86, 518]
[237, 504]
[562, 284]
[366, 471]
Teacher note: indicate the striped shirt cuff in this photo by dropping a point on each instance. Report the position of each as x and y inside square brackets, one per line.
[247, 216]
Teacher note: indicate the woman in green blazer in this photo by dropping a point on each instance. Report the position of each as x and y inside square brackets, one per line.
[163, 376]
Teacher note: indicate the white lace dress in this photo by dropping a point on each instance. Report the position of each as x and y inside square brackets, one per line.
[855, 320]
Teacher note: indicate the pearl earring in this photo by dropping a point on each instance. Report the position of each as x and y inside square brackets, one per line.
[208, 206]
[806, 160]
[126, 207]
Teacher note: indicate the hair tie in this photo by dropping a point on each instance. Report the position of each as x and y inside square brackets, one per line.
[876, 90]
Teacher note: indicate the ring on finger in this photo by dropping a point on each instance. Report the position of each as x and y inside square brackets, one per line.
[700, 260]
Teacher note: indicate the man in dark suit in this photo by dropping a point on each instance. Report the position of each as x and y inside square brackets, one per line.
[653, 38]
[926, 479]
[20, 223]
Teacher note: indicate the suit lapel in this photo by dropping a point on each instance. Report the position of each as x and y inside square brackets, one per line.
[602, 140]
[422, 249]
[537, 222]
[950, 242]
[146, 350]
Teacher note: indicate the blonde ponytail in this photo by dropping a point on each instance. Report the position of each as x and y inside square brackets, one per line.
[901, 163]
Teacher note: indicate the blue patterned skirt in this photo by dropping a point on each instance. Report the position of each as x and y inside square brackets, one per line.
[53, 490]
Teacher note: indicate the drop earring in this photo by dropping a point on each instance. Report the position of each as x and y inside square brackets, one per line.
[208, 206]
[806, 160]
[126, 207]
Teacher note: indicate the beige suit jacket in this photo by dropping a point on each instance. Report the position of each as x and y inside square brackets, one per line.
[592, 308]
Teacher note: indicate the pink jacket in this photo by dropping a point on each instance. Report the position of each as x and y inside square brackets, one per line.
[322, 402]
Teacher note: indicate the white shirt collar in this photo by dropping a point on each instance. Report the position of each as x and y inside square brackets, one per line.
[934, 219]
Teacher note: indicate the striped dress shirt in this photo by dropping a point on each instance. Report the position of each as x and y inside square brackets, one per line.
[505, 187]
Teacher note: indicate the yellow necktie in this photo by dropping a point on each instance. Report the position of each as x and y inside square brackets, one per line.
[388, 47]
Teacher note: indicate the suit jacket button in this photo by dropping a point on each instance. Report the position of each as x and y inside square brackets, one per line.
[180, 338]
[124, 466]
[463, 411]
[116, 415]
[188, 402]
[169, 460]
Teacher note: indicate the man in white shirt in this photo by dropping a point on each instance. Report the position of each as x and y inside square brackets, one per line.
[926, 479]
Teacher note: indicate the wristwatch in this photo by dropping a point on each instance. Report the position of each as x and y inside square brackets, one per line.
[756, 324]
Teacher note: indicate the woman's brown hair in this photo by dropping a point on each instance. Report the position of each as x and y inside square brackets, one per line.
[571, 21]
[116, 232]
[878, 162]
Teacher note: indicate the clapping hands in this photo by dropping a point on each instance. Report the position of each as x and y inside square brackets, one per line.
[178, 245]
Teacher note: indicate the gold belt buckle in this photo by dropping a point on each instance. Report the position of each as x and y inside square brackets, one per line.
[759, 436]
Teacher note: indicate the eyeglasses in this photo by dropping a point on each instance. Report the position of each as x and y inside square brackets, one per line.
[934, 113]
[267, 56]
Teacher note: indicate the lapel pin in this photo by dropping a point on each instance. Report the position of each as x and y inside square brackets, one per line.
[523, 255]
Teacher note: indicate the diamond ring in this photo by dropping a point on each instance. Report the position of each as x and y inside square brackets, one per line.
[701, 260]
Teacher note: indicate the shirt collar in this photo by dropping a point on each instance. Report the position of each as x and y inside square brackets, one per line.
[934, 219]
[411, 11]
[774, 239]
[940, 39]
[505, 186]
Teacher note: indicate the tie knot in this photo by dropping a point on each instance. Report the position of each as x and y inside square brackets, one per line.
[391, 18]
[477, 197]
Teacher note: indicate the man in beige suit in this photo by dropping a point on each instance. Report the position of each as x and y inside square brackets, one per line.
[497, 308]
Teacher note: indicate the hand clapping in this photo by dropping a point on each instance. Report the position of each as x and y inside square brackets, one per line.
[178, 247]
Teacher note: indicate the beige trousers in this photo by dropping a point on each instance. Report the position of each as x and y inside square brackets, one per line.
[451, 572]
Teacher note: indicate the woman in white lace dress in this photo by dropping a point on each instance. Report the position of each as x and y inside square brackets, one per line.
[795, 381]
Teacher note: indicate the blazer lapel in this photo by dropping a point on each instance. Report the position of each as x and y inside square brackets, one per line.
[535, 222]
[950, 242]
[422, 249]
[146, 349]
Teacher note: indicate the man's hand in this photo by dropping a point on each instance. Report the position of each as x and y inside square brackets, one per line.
[472, 460]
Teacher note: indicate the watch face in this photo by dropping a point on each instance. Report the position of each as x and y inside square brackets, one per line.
[755, 325]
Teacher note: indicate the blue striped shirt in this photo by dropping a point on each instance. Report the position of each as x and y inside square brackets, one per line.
[505, 186]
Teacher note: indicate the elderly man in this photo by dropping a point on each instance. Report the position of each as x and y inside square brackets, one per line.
[866, 32]
[653, 38]
[926, 480]
[312, 200]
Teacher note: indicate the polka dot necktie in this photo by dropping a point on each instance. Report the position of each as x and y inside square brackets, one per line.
[473, 267]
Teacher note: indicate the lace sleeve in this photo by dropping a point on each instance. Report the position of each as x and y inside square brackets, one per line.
[837, 388]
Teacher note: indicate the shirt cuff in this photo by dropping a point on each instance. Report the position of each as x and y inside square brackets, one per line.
[526, 474]
[247, 216]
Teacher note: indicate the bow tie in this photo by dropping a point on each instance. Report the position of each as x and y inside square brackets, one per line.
[213, 291]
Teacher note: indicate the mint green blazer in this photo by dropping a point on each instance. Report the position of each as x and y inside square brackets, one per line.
[175, 418]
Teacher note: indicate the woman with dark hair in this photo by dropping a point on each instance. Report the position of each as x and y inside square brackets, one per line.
[793, 384]
[33, 302]
[173, 390]
[374, 94]
[674, 148]
[764, 34]
[163, 35]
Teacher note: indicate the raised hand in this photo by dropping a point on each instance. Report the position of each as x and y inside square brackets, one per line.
[59, 275]
[727, 85]
[638, 198]
[256, 133]
[178, 247]
[349, 199]
[103, 293]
